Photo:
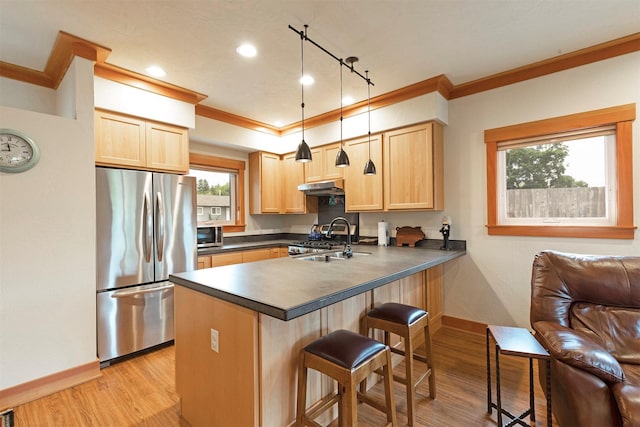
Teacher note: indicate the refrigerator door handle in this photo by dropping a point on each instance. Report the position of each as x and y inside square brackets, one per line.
[159, 226]
[122, 294]
[148, 228]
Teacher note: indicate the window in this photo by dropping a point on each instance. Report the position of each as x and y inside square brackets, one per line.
[220, 191]
[567, 177]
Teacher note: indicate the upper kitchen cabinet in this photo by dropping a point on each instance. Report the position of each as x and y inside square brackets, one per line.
[323, 167]
[413, 168]
[294, 200]
[363, 192]
[265, 186]
[134, 143]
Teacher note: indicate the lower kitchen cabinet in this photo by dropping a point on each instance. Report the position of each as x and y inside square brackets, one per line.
[239, 257]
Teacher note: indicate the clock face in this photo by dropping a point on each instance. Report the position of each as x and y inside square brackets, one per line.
[18, 152]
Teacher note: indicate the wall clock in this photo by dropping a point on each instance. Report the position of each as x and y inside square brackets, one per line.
[18, 152]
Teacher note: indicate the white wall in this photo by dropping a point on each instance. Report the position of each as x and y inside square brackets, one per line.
[492, 283]
[47, 240]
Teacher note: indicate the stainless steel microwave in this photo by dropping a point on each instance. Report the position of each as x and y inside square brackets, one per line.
[209, 236]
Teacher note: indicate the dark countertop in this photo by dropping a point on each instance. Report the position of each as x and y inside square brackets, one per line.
[286, 288]
[242, 246]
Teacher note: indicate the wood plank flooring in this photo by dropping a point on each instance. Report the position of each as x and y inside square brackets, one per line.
[141, 392]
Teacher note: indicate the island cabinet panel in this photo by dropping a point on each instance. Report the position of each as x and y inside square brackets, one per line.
[280, 344]
[363, 192]
[434, 297]
[413, 172]
[211, 384]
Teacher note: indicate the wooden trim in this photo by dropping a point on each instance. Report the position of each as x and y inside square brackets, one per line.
[439, 84]
[32, 390]
[622, 116]
[604, 116]
[221, 162]
[585, 232]
[65, 48]
[599, 52]
[233, 119]
[237, 165]
[140, 81]
[464, 325]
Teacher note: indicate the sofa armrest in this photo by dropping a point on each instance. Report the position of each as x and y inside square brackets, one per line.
[578, 350]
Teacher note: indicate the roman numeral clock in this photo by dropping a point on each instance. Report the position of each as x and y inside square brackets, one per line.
[18, 152]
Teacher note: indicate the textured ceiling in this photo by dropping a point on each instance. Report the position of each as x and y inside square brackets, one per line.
[400, 42]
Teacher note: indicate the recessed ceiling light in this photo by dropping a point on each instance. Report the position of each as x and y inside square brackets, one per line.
[156, 71]
[247, 50]
[278, 124]
[347, 100]
[306, 80]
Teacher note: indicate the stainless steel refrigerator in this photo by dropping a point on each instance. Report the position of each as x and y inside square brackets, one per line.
[146, 230]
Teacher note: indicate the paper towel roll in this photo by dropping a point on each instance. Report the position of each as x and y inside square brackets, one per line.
[383, 233]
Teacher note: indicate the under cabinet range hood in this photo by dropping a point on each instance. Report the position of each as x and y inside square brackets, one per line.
[334, 187]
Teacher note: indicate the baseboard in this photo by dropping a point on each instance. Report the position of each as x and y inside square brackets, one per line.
[464, 325]
[32, 390]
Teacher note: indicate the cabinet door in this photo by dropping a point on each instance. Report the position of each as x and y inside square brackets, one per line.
[408, 168]
[226, 259]
[256, 255]
[363, 192]
[120, 140]
[167, 148]
[265, 187]
[313, 169]
[204, 262]
[293, 200]
[329, 169]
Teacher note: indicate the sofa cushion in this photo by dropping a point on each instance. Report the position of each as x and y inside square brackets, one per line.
[627, 395]
[577, 349]
[617, 329]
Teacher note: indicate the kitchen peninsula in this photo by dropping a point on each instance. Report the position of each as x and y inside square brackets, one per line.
[239, 328]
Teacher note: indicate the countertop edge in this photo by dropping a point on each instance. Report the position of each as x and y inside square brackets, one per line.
[300, 310]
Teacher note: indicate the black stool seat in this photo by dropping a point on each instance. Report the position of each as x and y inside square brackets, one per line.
[345, 348]
[397, 313]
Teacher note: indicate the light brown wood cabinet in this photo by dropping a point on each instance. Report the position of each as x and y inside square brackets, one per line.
[413, 168]
[265, 186]
[239, 257]
[363, 192]
[134, 143]
[323, 166]
[294, 200]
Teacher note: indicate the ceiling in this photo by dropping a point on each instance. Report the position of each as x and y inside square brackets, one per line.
[400, 42]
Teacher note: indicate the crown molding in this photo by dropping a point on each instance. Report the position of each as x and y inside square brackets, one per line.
[610, 49]
[68, 46]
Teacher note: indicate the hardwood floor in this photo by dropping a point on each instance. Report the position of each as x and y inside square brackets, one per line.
[141, 392]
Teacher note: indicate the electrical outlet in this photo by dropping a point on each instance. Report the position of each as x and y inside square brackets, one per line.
[214, 340]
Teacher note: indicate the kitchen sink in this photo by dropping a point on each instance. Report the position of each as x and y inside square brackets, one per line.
[330, 256]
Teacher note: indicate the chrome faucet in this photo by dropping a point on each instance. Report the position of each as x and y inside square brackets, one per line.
[347, 252]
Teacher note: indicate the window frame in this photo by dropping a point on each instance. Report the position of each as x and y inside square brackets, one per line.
[237, 166]
[622, 117]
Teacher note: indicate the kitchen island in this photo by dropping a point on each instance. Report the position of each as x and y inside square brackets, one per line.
[239, 328]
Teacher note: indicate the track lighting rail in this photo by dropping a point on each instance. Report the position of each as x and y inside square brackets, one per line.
[303, 36]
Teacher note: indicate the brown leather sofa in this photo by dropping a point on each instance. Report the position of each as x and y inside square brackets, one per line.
[585, 310]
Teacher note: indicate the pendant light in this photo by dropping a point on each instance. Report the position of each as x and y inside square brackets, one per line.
[303, 153]
[369, 167]
[342, 160]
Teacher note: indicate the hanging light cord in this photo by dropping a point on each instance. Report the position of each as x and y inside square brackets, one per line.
[341, 103]
[302, 37]
[369, 108]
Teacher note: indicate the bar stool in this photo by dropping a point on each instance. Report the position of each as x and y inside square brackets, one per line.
[407, 322]
[348, 358]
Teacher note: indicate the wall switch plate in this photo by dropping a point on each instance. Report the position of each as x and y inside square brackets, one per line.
[214, 340]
